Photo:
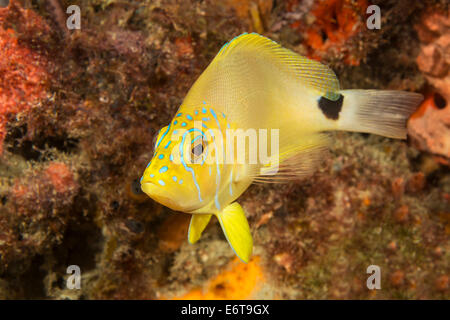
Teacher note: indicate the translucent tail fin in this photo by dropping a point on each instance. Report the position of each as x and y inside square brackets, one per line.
[378, 111]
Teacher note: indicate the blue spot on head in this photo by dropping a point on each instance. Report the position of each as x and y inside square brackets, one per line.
[161, 182]
[181, 181]
[171, 157]
[196, 112]
[140, 181]
[204, 110]
[179, 115]
[175, 122]
[223, 114]
[148, 164]
[204, 102]
[189, 117]
[174, 178]
[175, 131]
[161, 156]
[206, 119]
[183, 124]
[152, 175]
[163, 169]
[167, 145]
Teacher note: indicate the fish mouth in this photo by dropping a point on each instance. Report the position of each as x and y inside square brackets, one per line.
[159, 195]
[170, 199]
[153, 190]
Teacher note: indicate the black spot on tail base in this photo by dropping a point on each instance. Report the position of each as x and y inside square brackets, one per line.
[330, 108]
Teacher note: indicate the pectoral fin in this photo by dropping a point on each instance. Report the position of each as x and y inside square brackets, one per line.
[197, 225]
[235, 227]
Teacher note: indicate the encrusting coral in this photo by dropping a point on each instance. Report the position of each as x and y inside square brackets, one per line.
[429, 127]
[24, 72]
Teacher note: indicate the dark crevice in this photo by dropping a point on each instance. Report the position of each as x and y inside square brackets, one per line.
[30, 284]
[83, 240]
[439, 101]
[34, 149]
[80, 247]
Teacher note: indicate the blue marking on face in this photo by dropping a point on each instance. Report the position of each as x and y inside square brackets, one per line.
[197, 137]
[174, 178]
[204, 102]
[184, 163]
[152, 175]
[161, 182]
[179, 115]
[168, 144]
[183, 124]
[223, 115]
[148, 164]
[175, 131]
[163, 169]
[171, 157]
[216, 196]
[189, 117]
[140, 181]
[204, 110]
[206, 119]
[215, 117]
[175, 122]
[204, 126]
[181, 181]
[161, 156]
[196, 112]
[162, 137]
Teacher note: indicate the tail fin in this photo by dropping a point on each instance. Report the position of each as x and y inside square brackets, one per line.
[378, 111]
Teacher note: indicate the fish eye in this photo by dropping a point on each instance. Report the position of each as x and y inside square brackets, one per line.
[198, 150]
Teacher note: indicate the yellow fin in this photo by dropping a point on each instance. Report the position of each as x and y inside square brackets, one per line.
[197, 225]
[235, 227]
[311, 73]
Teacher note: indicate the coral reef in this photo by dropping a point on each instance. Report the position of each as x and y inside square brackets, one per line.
[330, 28]
[429, 127]
[24, 72]
[79, 110]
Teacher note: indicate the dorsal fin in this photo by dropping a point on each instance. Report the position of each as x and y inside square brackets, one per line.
[311, 73]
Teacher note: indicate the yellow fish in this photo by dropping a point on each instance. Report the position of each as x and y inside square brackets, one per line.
[253, 89]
